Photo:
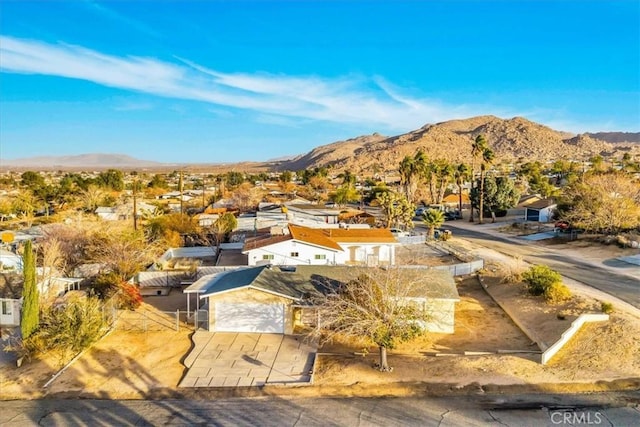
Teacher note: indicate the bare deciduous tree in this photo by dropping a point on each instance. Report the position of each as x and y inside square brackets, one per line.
[71, 242]
[376, 305]
[122, 250]
[604, 203]
[53, 260]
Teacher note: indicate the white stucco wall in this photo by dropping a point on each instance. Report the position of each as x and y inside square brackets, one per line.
[442, 316]
[281, 253]
[363, 251]
[12, 317]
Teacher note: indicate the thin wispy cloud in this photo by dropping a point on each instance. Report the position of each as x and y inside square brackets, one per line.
[350, 99]
[133, 106]
[120, 19]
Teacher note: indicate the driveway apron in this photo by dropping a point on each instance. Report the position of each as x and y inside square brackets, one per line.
[225, 359]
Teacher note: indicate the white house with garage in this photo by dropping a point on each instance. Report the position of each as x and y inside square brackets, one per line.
[297, 245]
[278, 299]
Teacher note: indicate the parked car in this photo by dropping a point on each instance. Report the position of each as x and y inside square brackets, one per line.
[452, 215]
[420, 212]
[399, 233]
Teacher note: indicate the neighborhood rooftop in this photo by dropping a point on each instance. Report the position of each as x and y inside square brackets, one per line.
[325, 237]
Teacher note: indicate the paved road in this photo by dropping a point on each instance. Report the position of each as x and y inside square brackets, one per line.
[482, 410]
[620, 285]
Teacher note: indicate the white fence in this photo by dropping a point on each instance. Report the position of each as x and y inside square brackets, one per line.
[412, 240]
[569, 333]
[462, 269]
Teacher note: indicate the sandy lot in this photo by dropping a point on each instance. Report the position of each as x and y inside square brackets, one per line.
[134, 364]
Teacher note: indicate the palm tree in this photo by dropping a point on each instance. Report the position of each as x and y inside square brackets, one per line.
[444, 173]
[461, 174]
[348, 178]
[433, 218]
[487, 159]
[477, 147]
[411, 170]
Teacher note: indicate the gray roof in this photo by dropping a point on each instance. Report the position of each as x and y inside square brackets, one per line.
[230, 280]
[432, 283]
[427, 282]
[306, 281]
[264, 277]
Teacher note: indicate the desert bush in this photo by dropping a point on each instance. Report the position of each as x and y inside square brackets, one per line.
[110, 285]
[129, 297]
[623, 241]
[539, 278]
[73, 325]
[65, 329]
[105, 285]
[512, 272]
[606, 307]
[556, 293]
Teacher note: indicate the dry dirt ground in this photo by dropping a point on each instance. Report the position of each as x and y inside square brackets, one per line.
[135, 364]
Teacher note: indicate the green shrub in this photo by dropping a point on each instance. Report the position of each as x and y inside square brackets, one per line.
[73, 326]
[556, 293]
[539, 278]
[606, 307]
[65, 329]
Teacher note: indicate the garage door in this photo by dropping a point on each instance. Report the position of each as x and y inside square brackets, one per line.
[249, 317]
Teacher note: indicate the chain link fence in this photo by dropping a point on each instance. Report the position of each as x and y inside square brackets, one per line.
[154, 320]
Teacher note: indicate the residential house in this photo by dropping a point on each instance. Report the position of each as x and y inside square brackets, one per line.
[175, 268]
[271, 299]
[540, 211]
[311, 215]
[11, 288]
[124, 211]
[10, 260]
[10, 299]
[452, 201]
[297, 245]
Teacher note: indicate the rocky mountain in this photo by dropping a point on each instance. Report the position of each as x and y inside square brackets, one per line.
[511, 139]
[83, 161]
[617, 137]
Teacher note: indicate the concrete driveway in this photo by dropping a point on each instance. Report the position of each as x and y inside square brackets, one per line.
[226, 359]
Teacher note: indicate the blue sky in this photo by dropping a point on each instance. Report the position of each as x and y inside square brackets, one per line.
[225, 81]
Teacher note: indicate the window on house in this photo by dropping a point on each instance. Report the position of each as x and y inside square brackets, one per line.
[321, 256]
[294, 254]
[268, 256]
[6, 308]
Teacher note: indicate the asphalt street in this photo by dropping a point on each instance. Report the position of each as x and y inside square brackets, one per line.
[621, 285]
[607, 409]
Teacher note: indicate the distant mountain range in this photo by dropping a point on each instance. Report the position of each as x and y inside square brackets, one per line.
[616, 137]
[86, 161]
[511, 139]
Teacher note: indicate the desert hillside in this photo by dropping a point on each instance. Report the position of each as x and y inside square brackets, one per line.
[511, 139]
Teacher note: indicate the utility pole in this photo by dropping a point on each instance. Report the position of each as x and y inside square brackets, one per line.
[135, 204]
[181, 185]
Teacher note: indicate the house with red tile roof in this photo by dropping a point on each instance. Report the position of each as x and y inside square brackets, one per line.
[298, 245]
